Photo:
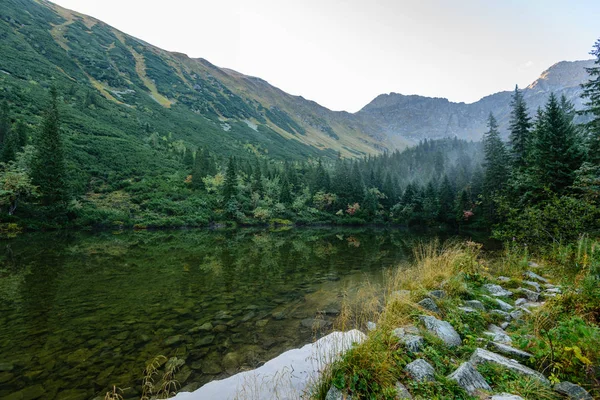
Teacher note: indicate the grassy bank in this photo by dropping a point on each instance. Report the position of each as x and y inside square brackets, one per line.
[560, 331]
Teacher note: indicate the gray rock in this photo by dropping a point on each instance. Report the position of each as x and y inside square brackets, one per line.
[401, 392]
[439, 294]
[336, 394]
[525, 310]
[429, 304]
[533, 264]
[549, 286]
[313, 323]
[534, 285]
[553, 290]
[497, 290]
[420, 370]
[516, 314]
[371, 325]
[520, 302]
[530, 294]
[412, 342]
[482, 356]
[476, 304]
[506, 396]
[536, 277]
[572, 391]
[469, 379]
[467, 310]
[498, 334]
[506, 316]
[410, 329]
[442, 329]
[504, 306]
[510, 351]
[504, 325]
[504, 279]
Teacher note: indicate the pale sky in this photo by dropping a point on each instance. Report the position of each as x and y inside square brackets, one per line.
[343, 53]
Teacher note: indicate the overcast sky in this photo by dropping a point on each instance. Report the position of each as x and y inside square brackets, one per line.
[343, 53]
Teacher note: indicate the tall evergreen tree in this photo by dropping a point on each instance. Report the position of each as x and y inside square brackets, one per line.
[557, 151]
[520, 126]
[21, 133]
[446, 199]
[49, 172]
[591, 91]
[4, 121]
[321, 180]
[285, 195]
[496, 169]
[230, 184]
[11, 146]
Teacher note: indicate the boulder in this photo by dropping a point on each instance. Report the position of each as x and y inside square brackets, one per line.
[429, 304]
[442, 329]
[534, 285]
[469, 379]
[401, 392]
[497, 290]
[535, 277]
[504, 279]
[505, 316]
[554, 290]
[504, 325]
[530, 294]
[572, 391]
[476, 304]
[497, 334]
[467, 310]
[482, 356]
[504, 306]
[520, 302]
[516, 314]
[509, 351]
[412, 342]
[420, 370]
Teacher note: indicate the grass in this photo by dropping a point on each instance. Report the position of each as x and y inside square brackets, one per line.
[562, 334]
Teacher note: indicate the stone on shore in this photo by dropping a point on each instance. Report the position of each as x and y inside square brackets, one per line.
[482, 356]
[505, 396]
[504, 306]
[420, 370]
[534, 285]
[442, 330]
[572, 391]
[336, 394]
[469, 379]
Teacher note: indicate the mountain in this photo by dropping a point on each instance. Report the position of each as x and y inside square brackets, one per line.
[117, 86]
[413, 118]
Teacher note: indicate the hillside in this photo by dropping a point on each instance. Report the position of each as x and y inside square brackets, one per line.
[119, 87]
[415, 117]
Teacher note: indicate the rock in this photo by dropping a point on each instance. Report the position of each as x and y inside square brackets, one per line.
[516, 314]
[510, 351]
[29, 393]
[549, 286]
[420, 370]
[318, 324]
[536, 277]
[205, 340]
[210, 366]
[5, 377]
[231, 362]
[72, 394]
[79, 356]
[220, 328]
[248, 316]
[262, 323]
[438, 294]
[506, 316]
[412, 342]
[429, 304]
[333, 311]
[371, 326]
[506, 396]
[572, 391]
[410, 329]
[530, 294]
[467, 310]
[504, 279]
[278, 315]
[336, 394]
[534, 285]
[173, 340]
[504, 325]
[525, 310]
[497, 334]
[482, 356]
[504, 306]
[520, 302]
[497, 290]
[5, 367]
[476, 304]
[469, 379]
[223, 315]
[442, 329]
[553, 290]
[401, 392]
[533, 264]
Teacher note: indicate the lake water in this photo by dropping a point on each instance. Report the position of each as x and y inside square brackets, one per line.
[81, 312]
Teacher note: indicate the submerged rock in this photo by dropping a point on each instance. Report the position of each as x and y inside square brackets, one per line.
[442, 329]
[29, 393]
[482, 356]
[497, 290]
[572, 391]
[429, 304]
[420, 370]
[469, 379]
[313, 323]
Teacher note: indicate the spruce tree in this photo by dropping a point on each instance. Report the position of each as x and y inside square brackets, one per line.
[321, 180]
[4, 121]
[230, 184]
[11, 146]
[446, 201]
[520, 126]
[496, 169]
[257, 185]
[48, 170]
[591, 91]
[285, 195]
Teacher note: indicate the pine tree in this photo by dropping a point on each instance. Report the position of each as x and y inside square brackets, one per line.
[230, 184]
[462, 204]
[49, 172]
[4, 121]
[520, 125]
[496, 169]
[591, 91]
[321, 180]
[557, 151]
[357, 186]
[446, 201]
[201, 169]
[257, 185]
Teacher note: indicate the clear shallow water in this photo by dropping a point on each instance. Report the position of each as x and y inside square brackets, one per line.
[82, 312]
